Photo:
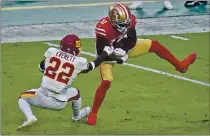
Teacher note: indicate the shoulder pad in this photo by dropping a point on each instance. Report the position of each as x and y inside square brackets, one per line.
[101, 27]
[50, 50]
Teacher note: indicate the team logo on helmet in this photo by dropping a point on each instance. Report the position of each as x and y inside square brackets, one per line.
[120, 17]
[71, 44]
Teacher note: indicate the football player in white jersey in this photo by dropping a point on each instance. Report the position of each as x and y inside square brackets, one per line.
[60, 68]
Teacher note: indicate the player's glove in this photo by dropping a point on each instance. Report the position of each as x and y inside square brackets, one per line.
[119, 52]
[119, 60]
[41, 66]
[122, 59]
[109, 50]
[90, 66]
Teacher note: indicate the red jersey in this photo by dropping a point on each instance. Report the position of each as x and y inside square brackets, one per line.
[105, 29]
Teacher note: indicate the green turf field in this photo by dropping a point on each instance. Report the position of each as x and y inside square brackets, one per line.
[139, 102]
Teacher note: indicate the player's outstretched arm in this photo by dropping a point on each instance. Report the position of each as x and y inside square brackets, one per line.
[119, 60]
[94, 64]
[104, 49]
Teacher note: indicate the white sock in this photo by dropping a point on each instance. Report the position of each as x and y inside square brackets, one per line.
[76, 106]
[25, 107]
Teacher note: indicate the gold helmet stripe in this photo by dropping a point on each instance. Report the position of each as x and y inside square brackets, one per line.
[124, 9]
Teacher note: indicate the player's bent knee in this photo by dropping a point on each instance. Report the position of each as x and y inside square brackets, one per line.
[142, 47]
[20, 100]
[154, 46]
[74, 94]
[155, 42]
[77, 96]
[107, 78]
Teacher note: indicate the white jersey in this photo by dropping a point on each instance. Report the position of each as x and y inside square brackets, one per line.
[61, 69]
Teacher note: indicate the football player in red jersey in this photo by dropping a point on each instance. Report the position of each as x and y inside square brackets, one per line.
[118, 30]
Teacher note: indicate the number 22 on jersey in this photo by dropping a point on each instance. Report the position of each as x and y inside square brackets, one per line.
[59, 72]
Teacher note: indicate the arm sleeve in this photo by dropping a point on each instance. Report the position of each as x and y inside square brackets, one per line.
[129, 42]
[94, 64]
[100, 59]
[101, 42]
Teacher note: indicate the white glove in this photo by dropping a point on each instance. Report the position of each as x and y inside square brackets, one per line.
[125, 58]
[109, 49]
[119, 52]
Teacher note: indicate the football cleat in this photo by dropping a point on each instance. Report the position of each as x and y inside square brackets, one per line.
[136, 5]
[31, 121]
[167, 5]
[92, 119]
[187, 62]
[83, 113]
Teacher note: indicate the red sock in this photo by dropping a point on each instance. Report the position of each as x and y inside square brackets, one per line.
[164, 53]
[100, 94]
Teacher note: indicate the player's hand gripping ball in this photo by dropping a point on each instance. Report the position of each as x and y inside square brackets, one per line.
[118, 49]
[118, 52]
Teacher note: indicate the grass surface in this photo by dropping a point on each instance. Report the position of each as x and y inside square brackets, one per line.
[139, 102]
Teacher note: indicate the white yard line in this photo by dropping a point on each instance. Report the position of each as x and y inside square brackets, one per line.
[145, 68]
[168, 74]
[179, 37]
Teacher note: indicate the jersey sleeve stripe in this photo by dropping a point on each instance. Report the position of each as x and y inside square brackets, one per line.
[99, 29]
[28, 94]
[101, 33]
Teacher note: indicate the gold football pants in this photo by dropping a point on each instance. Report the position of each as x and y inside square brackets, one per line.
[142, 47]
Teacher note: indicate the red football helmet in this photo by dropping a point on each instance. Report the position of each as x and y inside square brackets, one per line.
[71, 44]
